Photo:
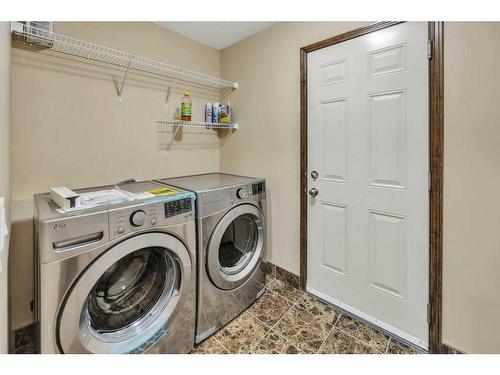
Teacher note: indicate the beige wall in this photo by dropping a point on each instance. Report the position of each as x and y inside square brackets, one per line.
[68, 128]
[4, 172]
[267, 107]
[471, 277]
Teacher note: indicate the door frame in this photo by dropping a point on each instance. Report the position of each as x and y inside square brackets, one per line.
[436, 142]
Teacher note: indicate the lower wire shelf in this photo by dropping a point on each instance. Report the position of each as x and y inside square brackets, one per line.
[199, 124]
[177, 124]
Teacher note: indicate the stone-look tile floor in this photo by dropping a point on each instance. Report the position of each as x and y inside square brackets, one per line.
[286, 320]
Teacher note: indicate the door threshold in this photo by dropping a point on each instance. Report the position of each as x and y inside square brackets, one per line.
[387, 328]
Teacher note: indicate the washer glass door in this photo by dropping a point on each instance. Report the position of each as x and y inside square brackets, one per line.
[236, 246]
[129, 289]
[125, 300]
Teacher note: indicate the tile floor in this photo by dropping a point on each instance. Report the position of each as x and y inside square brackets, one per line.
[284, 320]
[289, 321]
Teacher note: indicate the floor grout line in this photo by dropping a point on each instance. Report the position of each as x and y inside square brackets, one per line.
[279, 320]
[361, 341]
[223, 347]
[323, 342]
[304, 296]
[328, 335]
[271, 328]
[388, 344]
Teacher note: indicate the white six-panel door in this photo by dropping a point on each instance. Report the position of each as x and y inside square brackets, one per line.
[368, 139]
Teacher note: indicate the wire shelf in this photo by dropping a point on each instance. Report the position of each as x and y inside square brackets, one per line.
[178, 124]
[51, 41]
[199, 124]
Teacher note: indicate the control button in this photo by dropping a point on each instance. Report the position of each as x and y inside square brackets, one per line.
[241, 193]
[153, 221]
[120, 230]
[137, 218]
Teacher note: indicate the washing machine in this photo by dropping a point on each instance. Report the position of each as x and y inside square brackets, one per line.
[119, 277]
[231, 227]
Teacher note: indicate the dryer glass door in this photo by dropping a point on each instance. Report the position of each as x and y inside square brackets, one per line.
[236, 246]
[125, 300]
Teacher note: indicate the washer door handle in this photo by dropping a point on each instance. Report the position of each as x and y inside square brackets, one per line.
[78, 241]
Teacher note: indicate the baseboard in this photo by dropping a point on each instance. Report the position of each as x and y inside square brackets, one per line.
[448, 349]
[282, 274]
[25, 339]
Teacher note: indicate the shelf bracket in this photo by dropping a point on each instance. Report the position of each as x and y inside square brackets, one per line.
[229, 134]
[173, 137]
[120, 93]
[170, 89]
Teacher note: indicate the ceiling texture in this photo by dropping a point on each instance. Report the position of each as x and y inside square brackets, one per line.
[218, 35]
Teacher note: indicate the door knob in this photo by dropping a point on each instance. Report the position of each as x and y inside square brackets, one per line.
[313, 192]
[314, 174]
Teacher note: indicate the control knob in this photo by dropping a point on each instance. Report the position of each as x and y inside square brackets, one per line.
[137, 218]
[241, 193]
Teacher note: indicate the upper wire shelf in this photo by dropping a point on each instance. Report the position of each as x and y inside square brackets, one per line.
[67, 45]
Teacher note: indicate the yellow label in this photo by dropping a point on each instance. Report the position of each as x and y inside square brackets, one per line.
[163, 191]
[186, 109]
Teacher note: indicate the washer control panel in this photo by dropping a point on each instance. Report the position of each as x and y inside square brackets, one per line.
[177, 207]
[141, 216]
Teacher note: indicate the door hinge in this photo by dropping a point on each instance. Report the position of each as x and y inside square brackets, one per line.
[429, 49]
[32, 305]
[429, 181]
[429, 314]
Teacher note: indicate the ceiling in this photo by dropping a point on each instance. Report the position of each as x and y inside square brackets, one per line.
[216, 34]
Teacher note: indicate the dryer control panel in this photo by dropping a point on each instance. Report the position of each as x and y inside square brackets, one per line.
[214, 201]
[250, 191]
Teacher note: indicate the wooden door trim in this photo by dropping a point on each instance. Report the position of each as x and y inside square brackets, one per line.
[436, 143]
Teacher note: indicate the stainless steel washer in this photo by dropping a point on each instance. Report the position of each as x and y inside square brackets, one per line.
[119, 278]
[231, 227]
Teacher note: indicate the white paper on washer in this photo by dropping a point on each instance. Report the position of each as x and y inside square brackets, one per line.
[99, 198]
[109, 196]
